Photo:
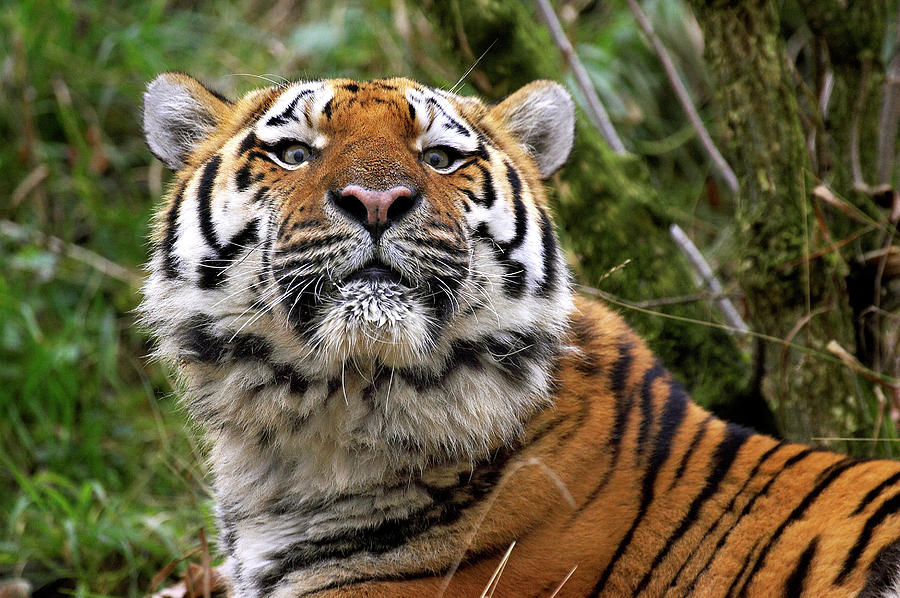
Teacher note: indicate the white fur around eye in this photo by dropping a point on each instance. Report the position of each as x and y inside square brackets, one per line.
[275, 158]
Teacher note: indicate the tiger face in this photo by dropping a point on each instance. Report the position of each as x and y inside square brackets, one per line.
[367, 220]
[343, 268]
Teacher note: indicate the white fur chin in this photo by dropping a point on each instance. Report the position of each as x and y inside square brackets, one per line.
[374, 320]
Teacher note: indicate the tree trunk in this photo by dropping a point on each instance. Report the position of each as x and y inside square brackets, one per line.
[782, 145]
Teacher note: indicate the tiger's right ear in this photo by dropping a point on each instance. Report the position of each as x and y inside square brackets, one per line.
[179, 112]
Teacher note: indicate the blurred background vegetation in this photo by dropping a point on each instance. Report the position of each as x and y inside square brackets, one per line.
[102, 484]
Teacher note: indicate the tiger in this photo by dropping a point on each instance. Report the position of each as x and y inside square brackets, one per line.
[362, 290]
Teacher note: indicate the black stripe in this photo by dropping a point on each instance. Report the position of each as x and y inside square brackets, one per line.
[513, 354]
[412, 111]
[326, 110]
[699, 435]
[887, 508]
[260, 194]
[515, 280]
[488, 194]
[514, 277]
[550, 255]
[647, 415]
[243, 179]
[794, 586]
[622, 368]
[872, 494]
[212, 272]
[834, 472]
[170, 265]
[726, 452]
[672, 415]
[247, 143]
[447, 505]
[204, 200]
[623, 404]
[284, 374]
[747, 508]
[200, 343]
[728, 509]
[515, 182]
[285, 116]
[521, 220]
[740, 573]
[453, 122]
[301, 301]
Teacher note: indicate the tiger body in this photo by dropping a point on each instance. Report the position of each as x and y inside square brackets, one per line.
[362, 289]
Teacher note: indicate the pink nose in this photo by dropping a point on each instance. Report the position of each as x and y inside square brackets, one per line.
[376, 208]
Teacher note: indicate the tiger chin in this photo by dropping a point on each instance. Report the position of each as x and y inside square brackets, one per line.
[362, 290]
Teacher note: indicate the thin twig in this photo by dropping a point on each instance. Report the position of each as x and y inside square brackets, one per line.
[684, 97]
[890, 113]
[86, 256]
[596, 111]
[888, 381]
[697, 260]
[841, 353]
[676, 300]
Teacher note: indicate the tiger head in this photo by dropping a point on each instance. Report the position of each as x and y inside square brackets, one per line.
[337, 226]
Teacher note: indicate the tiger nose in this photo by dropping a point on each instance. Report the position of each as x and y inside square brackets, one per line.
[375, 209]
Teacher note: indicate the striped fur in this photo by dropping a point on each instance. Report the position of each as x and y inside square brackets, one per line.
[392, 434]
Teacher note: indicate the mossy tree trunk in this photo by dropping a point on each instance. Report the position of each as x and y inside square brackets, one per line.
[785, 132]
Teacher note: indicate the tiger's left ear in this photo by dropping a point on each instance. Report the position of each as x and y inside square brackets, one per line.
[179, 112]
[542, 116]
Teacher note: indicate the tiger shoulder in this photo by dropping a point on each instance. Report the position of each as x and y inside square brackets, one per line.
[362, 289]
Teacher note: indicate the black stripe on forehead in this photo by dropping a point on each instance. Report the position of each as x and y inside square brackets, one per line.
[454, 124]
[287, 115]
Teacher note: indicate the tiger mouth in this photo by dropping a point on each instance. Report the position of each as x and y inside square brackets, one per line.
[377, 272]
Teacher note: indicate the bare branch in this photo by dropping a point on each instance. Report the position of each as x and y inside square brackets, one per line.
[700, 264]
[684, 97]
[596, 112]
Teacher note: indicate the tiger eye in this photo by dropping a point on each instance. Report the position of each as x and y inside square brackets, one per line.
[296, 154]
[437, 158]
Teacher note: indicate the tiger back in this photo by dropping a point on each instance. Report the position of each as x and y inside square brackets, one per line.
[362, 289]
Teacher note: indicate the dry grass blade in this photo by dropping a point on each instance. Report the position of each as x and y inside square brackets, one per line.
[563, 582]
[826, 195]
[29, 184]
[841, 353]
[205, 557]
[507, 475]
[165, 572]
[488, 591]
